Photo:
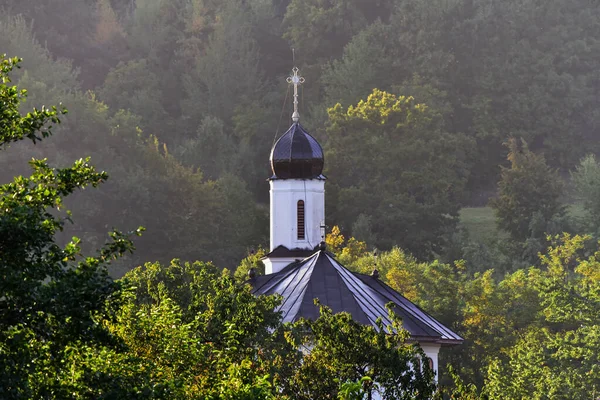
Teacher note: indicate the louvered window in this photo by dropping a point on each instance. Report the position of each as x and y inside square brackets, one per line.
[301, 230]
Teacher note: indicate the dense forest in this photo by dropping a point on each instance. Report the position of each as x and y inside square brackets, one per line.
[424, 109]
[179, 101]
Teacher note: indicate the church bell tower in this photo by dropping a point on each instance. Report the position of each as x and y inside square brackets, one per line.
[297, 193]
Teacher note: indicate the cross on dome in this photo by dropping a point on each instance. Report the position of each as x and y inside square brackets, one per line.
[295, 80]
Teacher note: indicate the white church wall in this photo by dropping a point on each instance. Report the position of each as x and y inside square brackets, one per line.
[273, 265]
[285, 194]
[432, 351]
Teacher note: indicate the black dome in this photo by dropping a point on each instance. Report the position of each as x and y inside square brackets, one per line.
[297, 155]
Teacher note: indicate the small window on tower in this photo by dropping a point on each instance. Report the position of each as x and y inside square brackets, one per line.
[301, 233]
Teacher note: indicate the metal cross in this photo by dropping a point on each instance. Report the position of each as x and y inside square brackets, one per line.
[295, 80]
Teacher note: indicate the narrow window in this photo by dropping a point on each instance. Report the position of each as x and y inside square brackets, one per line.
[301, 233]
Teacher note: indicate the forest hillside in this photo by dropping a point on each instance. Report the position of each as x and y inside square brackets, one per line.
[180, 102]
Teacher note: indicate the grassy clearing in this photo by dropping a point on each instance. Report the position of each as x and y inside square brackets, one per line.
[480, 222]
[576, 211]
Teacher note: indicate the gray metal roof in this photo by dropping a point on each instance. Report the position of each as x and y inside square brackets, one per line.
[364, 297]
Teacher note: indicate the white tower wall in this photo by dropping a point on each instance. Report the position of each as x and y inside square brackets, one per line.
[285, 194]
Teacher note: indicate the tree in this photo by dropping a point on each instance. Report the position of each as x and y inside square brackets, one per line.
[202, 332]
[390, 156]
[319, 30]
[187, 215]
[211, 150]
[560, 357]
[134, 87]
[586, 179]
[527, 188]
[51, 297]
[367, 63]
[342, 350]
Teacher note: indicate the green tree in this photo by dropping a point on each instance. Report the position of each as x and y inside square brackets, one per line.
[319, 30]
[52, 297]
[134, 87]
[391, 156]
[187, 215]
[528, 188]
[342, 350]
[201, 331]
[212, 150]
[560, 358]
[367, 63]
[253, 261]
[586, 179]
[226, 75]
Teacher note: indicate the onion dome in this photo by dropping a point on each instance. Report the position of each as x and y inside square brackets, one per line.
[297, 155]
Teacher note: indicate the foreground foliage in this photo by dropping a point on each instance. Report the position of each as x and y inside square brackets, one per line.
[532, 333]
[51, 296]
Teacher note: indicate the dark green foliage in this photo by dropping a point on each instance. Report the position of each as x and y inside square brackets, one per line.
[206, 334]
[319, 30]
[135, 88]
[206, 78]
[51, 296]
[342, 350]
[186, 98]
[528, 334]
[528, 193]
[586, 179]
[397, 149]
[186, 214]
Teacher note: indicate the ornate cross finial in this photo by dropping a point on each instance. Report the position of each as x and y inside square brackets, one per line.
[295, 80]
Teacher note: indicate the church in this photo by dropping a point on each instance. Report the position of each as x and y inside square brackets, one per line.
[299, 267]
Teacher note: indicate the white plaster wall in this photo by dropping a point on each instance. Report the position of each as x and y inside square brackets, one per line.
[432, 351]
[273, 265]
[285, 194]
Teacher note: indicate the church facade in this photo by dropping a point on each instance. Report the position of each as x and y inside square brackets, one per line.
[299, 267]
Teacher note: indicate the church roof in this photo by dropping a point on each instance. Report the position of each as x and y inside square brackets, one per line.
[297, 155]
[364, 297]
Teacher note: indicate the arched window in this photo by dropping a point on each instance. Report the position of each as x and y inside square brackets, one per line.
[300, 215]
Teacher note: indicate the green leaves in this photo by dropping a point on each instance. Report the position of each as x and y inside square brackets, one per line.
[396, 147]
[14, 126]
[52, 297]
[586, 179]
[528, 190]
[342, 350]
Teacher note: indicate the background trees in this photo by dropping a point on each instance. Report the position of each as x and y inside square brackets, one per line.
[586, 180]
[396, 147]
[52, 296]
[528, 333]
[205, 78]
[528, 190]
